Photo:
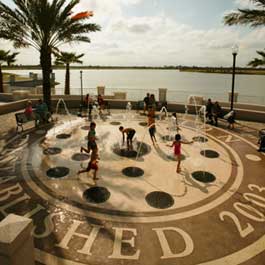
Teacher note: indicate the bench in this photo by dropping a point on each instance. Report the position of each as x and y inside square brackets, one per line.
[21, 119]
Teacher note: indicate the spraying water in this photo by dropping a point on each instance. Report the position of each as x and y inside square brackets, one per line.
[163, 110]
[61, 100]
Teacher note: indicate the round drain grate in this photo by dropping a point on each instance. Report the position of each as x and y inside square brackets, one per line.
[57, 172]
[80, 157]
[133, 172]
[96, 195]
[159, 200]
[209, 153]
[142, 148]
[115, 123]
[52, 151]
[143, 124]
[63, 136]
[203, 176]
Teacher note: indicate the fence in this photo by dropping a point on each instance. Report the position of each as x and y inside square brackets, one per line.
[179, 96]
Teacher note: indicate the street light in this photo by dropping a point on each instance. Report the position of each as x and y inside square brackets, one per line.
[81, 99]
[235, 49]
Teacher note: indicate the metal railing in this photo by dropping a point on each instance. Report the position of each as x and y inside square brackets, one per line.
[179, 96]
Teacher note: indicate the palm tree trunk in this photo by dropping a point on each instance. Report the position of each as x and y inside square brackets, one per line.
[67, 80]
[45, 61]
[1, 80]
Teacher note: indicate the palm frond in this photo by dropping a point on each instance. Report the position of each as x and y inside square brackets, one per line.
[256, 62]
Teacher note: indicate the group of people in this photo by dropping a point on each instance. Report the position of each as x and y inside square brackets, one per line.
[93, 148]
[149, 102]
[128, 135]
[214, 111]
[40, 114]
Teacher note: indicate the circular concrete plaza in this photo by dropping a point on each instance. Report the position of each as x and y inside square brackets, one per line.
[139, 210]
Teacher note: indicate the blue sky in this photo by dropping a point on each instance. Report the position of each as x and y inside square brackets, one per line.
[161, 32]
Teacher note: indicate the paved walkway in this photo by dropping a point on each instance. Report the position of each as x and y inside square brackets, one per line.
[139, 211]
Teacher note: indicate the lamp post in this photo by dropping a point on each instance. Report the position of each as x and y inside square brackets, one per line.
[234, 53]
[81, 99]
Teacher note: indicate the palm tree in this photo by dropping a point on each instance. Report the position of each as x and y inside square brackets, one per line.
[11, 58]
[256, 61]
[5, 56]
[253, 17]
[44, 25]
[67, 58]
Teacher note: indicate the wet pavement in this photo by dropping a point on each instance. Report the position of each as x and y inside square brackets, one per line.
[140, 210]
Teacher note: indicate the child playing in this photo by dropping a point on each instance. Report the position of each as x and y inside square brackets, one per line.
[130, 134]
[151, 124]
[91, 141]
[177, 149]
[93, 164]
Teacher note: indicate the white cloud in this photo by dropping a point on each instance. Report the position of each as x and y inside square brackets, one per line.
[155, 40]
[246, 4]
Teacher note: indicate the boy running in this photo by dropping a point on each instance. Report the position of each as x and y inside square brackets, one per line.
[91, 141]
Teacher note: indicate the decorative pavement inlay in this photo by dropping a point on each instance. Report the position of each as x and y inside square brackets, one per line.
[57, 172]
[63, 136]
[141, 149]
[159, 200]
[200, 139]
[133, 172]
[203, 176]
[52, 151]
[115, 123]
[159, 218]
[210, 153]
[80, 157]
[96, 195]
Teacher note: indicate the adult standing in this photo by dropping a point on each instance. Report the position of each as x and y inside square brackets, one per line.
[217, 112]
[89, 104]
[146, 102]
[209, 111]
[100, 104]
[152, 102]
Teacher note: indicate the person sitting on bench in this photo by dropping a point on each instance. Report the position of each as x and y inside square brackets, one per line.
[29, 111]
[230, 117]
[42, 112]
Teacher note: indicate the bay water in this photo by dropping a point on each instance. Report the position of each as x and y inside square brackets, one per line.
[136, 83]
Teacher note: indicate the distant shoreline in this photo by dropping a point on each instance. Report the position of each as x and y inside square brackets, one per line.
[224, 70]
[194, 69]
